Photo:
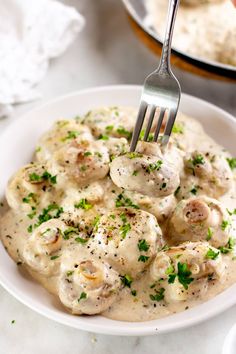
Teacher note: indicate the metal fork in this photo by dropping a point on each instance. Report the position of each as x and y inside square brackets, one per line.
[161, 90]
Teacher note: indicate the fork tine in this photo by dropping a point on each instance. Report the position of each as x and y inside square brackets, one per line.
[138, 125]
[159, 123]
[149, 125]
[169, 126]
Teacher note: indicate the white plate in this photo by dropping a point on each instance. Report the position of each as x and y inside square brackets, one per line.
[16, 146]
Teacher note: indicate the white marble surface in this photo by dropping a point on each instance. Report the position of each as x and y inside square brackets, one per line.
[107, 52]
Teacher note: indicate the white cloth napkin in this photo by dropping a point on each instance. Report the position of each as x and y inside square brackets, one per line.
[31, 32]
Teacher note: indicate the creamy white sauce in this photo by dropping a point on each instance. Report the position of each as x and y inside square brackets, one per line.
[132, 303]
[206, 30]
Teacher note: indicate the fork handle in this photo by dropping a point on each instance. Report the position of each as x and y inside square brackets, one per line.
[164, 66]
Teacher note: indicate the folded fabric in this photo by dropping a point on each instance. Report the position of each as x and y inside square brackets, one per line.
[31, 32]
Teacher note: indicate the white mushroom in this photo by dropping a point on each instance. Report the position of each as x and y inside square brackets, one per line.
[199, 219]
[209, 173]
[145, 172]
[111, 121]
[83, 161]
[31, 187]
[42, 250]
[87, 285]
[185, 271]
[127, 239]
[62, 132]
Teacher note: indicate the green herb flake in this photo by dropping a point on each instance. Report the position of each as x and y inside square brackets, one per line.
[81, 240]
[229, 247]
[134, 155]
[69, 231]
[87, 153]
[124, 229]
[103, 137]
[135, 173]
[158, 296]
[177, 191]
[143, 258]
[134, 292]
[178, 128]
[13, 321]
[127, 280]
[69, 273]
[54, 257]
[143, 245]
[122, 201]
[72, 134]
[122, 131]
[154, 166]
[224, 224]
[183, 275]
[198, 160]
[83, 204]
[83, 296]
[231, 162]
[211, 254]
[194, 190]
[209, 234]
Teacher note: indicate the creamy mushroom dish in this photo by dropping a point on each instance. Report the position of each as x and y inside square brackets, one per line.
[134, 236]
[204, 28]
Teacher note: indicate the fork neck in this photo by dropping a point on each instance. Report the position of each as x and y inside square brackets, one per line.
[164, 66]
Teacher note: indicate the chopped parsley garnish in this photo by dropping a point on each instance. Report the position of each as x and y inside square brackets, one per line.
[233, 212]
[81, 240]
[224, 224]
[209, 234]
[109, 128]
[53, 211]
[83, 204]
[133, 155]
[124, 229]
[194, 190]
[30, 197]
[231, 162]
[96, 222]
[170, 270]
[178, 128]
[33, 213]
[70, 230]
[134, 292]
[143, 258]
[183, 275]
[72, 134]
[122, 131]
[229, 247]
[69, 273]
[46, 176]
[150, 136]
[122, 201]
[158, 296]
[211, 254]
[127, 280]
[83, 295]
[54, 257]
[198, 160]
[13, 321]
[103, 137]
[143, 245]
[87, 153]
[154, 166]
[177, 191]
[135, 173]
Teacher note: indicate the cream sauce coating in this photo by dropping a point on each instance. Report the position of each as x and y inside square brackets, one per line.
[99, 247]
[205, 29]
